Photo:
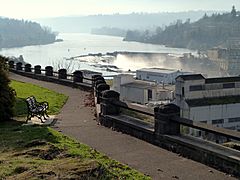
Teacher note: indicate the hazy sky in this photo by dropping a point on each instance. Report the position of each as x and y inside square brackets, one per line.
[32, 9]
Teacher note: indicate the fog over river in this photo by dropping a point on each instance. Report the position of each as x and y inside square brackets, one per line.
[76, 44]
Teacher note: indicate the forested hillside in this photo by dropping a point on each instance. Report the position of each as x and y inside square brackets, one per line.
[17, 33]
[84, 24]
[205, 33]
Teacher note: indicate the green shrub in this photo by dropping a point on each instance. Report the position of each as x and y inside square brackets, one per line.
[7, 97]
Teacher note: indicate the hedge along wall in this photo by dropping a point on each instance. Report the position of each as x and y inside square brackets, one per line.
[7, 97]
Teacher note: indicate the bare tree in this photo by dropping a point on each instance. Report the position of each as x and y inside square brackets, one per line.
[70, 65]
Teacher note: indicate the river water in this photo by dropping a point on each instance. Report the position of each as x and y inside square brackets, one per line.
[75, 44]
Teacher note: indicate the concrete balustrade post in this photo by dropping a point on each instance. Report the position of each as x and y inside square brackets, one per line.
[94, 77]
[99, 78]
[28, 68]
[78, 76]
[62, 74]
[19, 66]
[163, 123]
[109, 97]
[49, 71]
[37, 69]
[95, 87]
[99, 89]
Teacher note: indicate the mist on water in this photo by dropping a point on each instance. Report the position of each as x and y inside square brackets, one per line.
[126, 62]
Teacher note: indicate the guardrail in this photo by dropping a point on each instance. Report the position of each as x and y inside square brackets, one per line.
[169, 114]
[75, 79]
[165, 131]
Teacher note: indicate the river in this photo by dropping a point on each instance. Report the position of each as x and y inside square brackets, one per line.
[75, 44]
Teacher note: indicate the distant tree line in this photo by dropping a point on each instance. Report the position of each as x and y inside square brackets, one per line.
[17, 33]
[205, 33]
[111, 31]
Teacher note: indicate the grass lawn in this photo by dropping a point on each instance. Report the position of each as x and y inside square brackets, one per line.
[24, 90]
[40, 152]
[37, 152]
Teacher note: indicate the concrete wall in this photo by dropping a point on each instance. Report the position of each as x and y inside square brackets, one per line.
[157, 77]
[137, 95]
[121, 79]
[164, 95]
[209, 113]
[133, 94]
[211, 90]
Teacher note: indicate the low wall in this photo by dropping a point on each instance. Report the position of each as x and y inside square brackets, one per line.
[164, 133]
[129, 125]
[54, 79]
[211, 154]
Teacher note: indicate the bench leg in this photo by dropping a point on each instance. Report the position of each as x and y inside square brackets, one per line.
[45, 115]
[40, 117]
[28, 117]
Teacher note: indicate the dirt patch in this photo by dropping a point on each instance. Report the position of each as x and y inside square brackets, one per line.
[89, 100]
[20, 169]
[46, 175]
[49, 152]
[36, 143]
[68, 168]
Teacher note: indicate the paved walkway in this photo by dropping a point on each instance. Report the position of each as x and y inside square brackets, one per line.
[78, 121]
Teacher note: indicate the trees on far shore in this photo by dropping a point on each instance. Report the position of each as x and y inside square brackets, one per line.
[17, 33]
[207, 32]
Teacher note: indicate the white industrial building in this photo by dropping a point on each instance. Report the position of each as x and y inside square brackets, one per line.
[210, 100]
[141, 92]
[159, 75]
[228, 59]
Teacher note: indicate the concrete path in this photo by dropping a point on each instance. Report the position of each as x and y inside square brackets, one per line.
[78, 121]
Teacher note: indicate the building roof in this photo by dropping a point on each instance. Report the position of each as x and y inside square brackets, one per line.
[213, 101]
[140, 84]
[158, 70]
[190, 77]
[85, 71]
[222, 79]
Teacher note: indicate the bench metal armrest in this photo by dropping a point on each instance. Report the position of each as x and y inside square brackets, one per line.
[43, 103]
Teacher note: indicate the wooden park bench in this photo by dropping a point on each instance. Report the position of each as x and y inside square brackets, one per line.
[38, 109]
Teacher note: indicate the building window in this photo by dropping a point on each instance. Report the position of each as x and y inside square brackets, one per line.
[218, 121]
[182, 91]
[204, 122]
[232, 120]
[196, 88]
[228, 85]
[149, 94]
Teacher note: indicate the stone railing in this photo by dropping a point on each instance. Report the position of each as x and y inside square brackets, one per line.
[76, 79]
[166, 130]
